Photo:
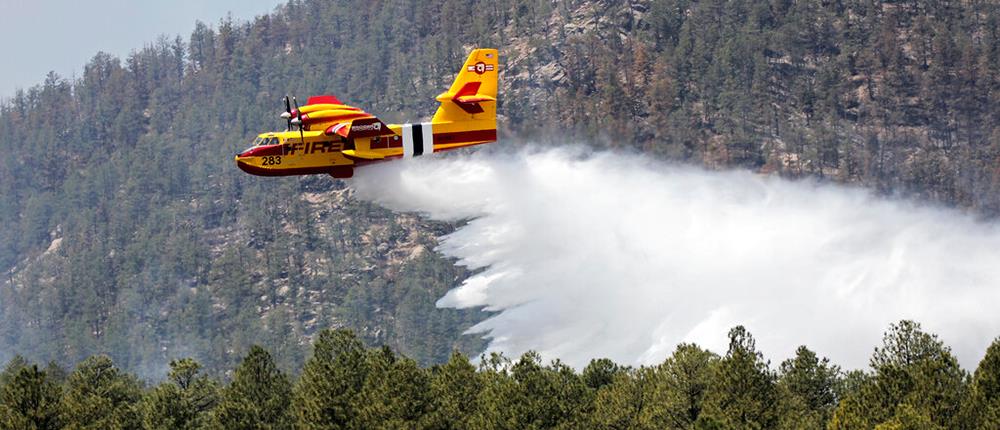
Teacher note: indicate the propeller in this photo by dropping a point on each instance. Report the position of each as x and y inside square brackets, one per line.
[287, 115]
[298, 113]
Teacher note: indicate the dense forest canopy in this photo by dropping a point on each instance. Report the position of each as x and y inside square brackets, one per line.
[129, 233]
[914, 383]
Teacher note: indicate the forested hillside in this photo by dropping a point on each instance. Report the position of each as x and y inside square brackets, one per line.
[914, 383]
[129, 232]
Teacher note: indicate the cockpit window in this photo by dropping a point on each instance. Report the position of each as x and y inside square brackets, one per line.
[262, 141]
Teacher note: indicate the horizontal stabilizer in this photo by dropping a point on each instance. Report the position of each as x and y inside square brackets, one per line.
[467, 97]
[474, 99]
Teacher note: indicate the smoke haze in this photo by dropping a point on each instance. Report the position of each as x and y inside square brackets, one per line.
[589, 255]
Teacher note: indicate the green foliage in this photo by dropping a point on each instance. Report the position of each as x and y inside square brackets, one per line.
[743, 392]
[395, 393]
[807, 390]
[908, 418]
[258, 397]
[981, 409]
[328, 390]
[29, 400]
[620, 404]
[547, 396]
[494, 406]
[11, 369]
[184, 401]
[97, 395]
[916, 380]
[347, 386]
[600, 372]
[683, 383]
[454, 388]
[671, 395]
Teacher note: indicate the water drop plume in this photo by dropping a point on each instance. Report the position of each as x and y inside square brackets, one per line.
[586, 255]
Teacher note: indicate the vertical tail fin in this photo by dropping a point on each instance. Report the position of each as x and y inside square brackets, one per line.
[473, 95]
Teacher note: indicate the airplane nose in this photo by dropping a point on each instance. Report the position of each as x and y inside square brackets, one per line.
[243, 165]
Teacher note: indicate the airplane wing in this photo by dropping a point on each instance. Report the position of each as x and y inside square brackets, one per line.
[316, 100]
[365, 126]
[330, 114]
[362, 155]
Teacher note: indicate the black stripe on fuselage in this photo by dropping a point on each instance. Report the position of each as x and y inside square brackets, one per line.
[418, 139]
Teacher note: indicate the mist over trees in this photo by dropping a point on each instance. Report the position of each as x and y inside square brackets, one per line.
[129, 233]
[913, 382]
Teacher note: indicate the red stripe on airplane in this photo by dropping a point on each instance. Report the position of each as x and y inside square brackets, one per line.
[464, 136]
[262, 151]
[337, 171]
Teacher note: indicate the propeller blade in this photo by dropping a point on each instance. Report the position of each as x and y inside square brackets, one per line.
[288, 114]
[298, 112]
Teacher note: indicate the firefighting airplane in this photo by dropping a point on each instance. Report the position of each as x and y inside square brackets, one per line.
[334, 138]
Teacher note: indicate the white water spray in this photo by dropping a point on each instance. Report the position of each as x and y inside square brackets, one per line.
[608, 255]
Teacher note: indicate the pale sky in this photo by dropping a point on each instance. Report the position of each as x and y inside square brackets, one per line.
[37, 36]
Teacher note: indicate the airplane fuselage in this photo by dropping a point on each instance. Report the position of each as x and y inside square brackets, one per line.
[285, 153]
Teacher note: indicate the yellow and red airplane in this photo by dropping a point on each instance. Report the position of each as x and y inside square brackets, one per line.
[334, 138]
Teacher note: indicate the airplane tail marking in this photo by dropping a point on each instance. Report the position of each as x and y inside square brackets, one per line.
[473, 94]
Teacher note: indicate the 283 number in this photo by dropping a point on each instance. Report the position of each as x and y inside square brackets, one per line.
[272, 160]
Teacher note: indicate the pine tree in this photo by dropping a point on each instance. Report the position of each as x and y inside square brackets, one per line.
[184, 401]
[981, 409]
[807, 390]
[915, 376]
[29, 400]
[326, 394]
[494, 406]
[11, 369]
[258, 397]
[547, 396]
[98, 395]
[600, 372]
[682, 382]
[395, 394]
[625, 403]
[743, 393]
[454, 387]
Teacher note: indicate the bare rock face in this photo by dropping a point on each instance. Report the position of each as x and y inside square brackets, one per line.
[538, 65]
